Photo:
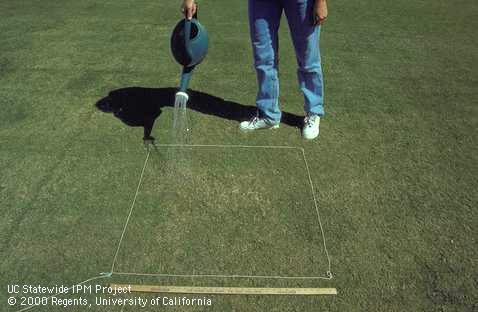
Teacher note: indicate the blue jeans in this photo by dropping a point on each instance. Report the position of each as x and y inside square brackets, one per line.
[264, 20]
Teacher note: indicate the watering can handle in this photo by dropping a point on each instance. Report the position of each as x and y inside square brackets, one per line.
[187, 27]
[187, 35]
[196, 13]
[187, 31]
[187, 70]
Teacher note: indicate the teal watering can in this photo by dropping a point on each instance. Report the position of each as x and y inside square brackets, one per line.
[189, 45]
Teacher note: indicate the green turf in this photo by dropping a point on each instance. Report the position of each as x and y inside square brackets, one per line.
[395, 168]
[242, 213]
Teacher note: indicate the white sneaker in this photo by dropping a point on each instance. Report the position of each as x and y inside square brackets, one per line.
[257, 123]
[311, 126]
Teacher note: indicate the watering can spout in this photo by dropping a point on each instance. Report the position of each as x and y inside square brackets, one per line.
[185, 78]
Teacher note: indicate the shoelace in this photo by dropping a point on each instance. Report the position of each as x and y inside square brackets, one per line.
[254, 120]
[309, 120]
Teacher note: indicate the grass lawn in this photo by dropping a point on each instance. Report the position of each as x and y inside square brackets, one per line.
[395, 169]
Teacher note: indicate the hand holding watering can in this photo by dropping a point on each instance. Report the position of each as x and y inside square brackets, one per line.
[189, 8]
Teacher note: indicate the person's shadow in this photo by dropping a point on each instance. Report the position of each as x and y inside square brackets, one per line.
[140, 107]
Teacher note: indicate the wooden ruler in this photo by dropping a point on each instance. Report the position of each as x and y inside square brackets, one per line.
[227, 290]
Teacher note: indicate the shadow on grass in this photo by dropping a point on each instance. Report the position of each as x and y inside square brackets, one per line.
[140, 107]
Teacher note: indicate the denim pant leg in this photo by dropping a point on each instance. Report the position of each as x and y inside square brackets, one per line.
[264, 21]
[306, 36]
